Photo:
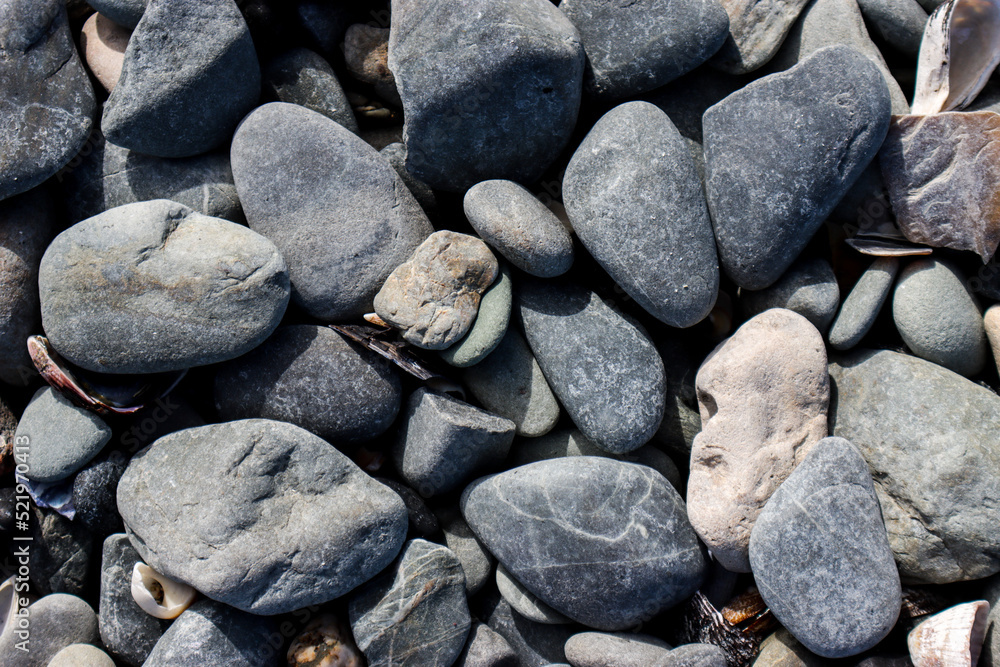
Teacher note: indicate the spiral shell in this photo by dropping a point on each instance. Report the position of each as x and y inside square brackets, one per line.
[158, 595]
[951, 638]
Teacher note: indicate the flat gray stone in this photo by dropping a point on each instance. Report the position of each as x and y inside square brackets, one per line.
[477, 563]
[517, 67]
[312, 377]
[862, 305]
[427, 582]
[48, 102]
[520, 227]
[781, 152]
[524, 601]
[599, 365]
[808, 288]
[335, 208]
[217, 635]
[485, 648]
[614, 649]
[258, 514]
[938, 318]
[190, 74]
[302, 77]
[820, 554]
[756, 30]
[123, 12]
[57, 621]
[488, 328]
[61, 437]
[154, 286]
[603, 542]
[901, 23]
[920, 428]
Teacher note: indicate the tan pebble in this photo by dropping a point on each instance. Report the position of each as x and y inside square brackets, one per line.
[324, 643]
[103, 43]
[992, 322]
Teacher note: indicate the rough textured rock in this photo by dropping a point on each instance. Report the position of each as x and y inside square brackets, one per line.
[524, 602]
[60, 553]
[638, 46]
[781, 152]
[634, 197]
[921, 428]
[95, 494]
[536, 644]
[366, 54]
[619, 649]
[337, 211]
[302, 77]
[103, 43]
[477, 563]
[821, 557]
[324, 642]
[991, 324]
[599, 364]
[940, 172]
[427, 582]
[901, 23]
[61, 437]
[488, 328]
[520, 227]
[603, 542]
[444, 441]
[81, 655]
[217, 635]
[312, 377]
[433, 297]
[490, 88]
[756, 30]
[57, 621]
[154, 286]
[937, 317]
[863, 304]
[190, 74]
[123, 12]
[808, 288]
[261, 515]
[485, 648]
[763, 396]
[48, 103]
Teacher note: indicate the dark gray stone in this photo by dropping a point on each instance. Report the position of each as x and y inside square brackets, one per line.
[863, 304]
[59, 561]
[485, 648]
[395, 153]
[337, 210]
[901, 23]
[600, 365]
[444, 441]
[688, 98]
[808, 288]
[695, 655]
[210, 633]
[636, 203]
[614, 649]
[423, 523]
[536, 644]
[490, 88]
[519, 227]
[261, 515]
[488, 328]
[427, 581]
[123, 12]
[603, 542]
[524, 601]
[633, 47]
[780, 154]
[56, 621]
[820, 554]
[61, 437]
[477, 562]
[312, 377]
[681, 419]
[302, 77]
[95, 494]
[190, 74]
[47, 102]
[922, 430]
[127, 631]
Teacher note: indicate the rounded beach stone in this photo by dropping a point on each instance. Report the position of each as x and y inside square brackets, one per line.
[95, 494]
[302, 77]
[863, 304]
[154, 286]
[763, 396]
[756, 30]
[524, 602]
[56, 621]
[312, 377]
[938, 318]
[123, 12]
[534, 643]
[820, 554]
[901, 23]
[603, 542]
[636, 203]
[261, 515]
[808, 288]
[614, 649]
[48, 102]
[694, 655]
[519, 227]
[488, 328]
[477, 563]
[103, 43]
[599, 365]
[337, 210]
[991, 324]
[81, 655]
[485, 648]
[218, 635]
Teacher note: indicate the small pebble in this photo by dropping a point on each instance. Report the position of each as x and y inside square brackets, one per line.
[863, 304]
[808, 288]
[489, 327]
[62, 437]
[103, 44]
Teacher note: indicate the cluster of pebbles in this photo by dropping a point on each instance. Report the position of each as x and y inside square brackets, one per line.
[646, 333]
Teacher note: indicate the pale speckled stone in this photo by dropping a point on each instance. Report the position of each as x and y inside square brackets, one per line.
[81, 655]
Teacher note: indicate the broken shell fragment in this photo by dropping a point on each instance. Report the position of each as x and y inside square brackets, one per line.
[952, 638]
[157, 595]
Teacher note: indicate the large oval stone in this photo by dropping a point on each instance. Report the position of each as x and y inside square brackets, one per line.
[261, 515]
[603, 542]
[154, 286]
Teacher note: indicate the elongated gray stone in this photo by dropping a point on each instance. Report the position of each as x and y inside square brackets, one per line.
[60, 437]
[863, 304]
[820, 554]
[614, 649]
[599, 365]
[603, 542]
[781, 152]
[808, 288]
[634, 197]
[477, 563]
[488, 328]
[258, 514]
[302, 77]
[127, 631]
[756, 30]
[217, 635]
[524, 602]
[154, 286]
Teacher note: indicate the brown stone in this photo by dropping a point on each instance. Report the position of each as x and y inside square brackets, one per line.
[992, 322]
[366, 52]
[324, 643]
[942, 172]
[103, 43]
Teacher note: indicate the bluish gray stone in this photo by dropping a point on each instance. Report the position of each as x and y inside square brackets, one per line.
[154, 286]
[781, 152]
[603, 542]
[938, 318]
[636, 203]
[258, 514]
[600, 365]
[61, 437]
[820, 554]
[211, 633]
[336, 209]
[520, 227]
[808, 288]
[863, 304]
[485, 648]
[488, 328]
[633, 47]
[901, 23]
[56, 621]
[490, 88]
[695, 655]
[614, 649]
[395, 153]
[302, 77]
[427, 581]
[95, 494]
[477, 563]
[536, 644]
[524, 601]
[123, 12]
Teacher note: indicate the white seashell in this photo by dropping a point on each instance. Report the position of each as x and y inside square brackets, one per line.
[959, 51]
[951, 638]
[158, 595]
